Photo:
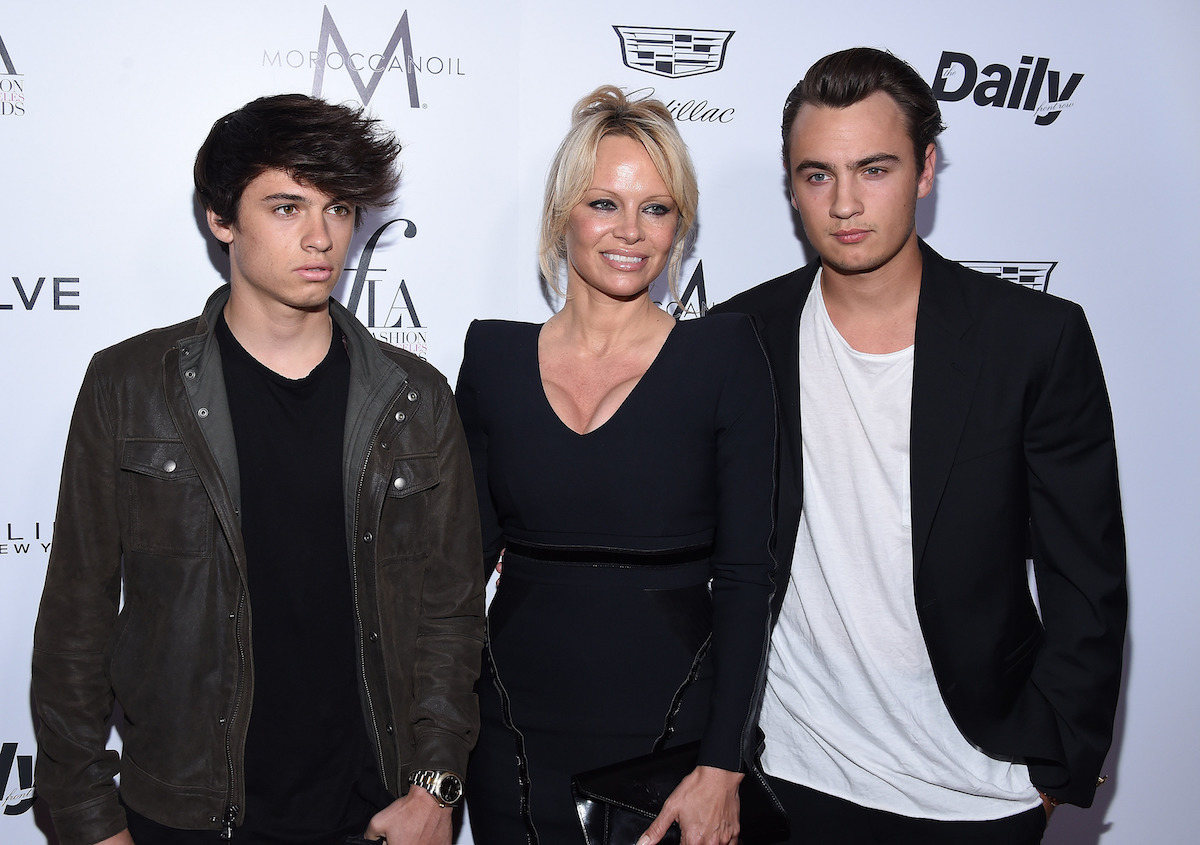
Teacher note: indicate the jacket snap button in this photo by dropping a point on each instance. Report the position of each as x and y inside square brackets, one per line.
[191, 374]
[202, 413]
[169, 466]
[374, 636]
[390, 729]
[384, 446]
[221, 720]
[400, 416]
[412, 396]
[368, 537]
[399, 483]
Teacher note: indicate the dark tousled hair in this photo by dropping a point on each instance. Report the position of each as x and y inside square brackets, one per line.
[333, 148]
[849, 76]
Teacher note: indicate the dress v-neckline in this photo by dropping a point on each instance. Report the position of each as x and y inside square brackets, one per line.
[537, 368]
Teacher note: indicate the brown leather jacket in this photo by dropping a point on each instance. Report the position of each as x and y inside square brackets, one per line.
[150, 501]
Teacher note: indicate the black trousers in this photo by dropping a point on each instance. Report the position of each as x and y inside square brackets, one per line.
[820, 819]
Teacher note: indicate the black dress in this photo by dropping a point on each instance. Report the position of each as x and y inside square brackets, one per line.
[637, 569]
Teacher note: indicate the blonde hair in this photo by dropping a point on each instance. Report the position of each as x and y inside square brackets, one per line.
[604, 112]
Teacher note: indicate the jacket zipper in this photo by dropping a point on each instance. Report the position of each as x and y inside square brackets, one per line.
[231, 809]
[362, 653]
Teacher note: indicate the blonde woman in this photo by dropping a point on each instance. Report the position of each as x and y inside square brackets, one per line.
[624, 466]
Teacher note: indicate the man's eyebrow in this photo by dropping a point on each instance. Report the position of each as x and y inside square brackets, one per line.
[877, 158]
[284, 198]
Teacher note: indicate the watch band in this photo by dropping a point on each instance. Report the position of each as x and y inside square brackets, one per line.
[445, 787]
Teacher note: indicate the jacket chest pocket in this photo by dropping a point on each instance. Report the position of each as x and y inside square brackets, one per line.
[404, 525]
[168, 508]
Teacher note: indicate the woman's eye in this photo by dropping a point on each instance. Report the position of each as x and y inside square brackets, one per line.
[603, 205]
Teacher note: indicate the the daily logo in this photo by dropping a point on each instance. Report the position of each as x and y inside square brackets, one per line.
[31, 294]
[366, 70]
[12, 86]
[997, 85]
[18, 797]
[671, 52]
[1031, 274]
[391, 317]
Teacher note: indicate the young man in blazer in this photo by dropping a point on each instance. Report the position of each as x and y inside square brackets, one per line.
[938, 428]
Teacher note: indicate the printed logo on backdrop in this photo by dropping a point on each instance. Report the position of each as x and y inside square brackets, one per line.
[24, 538]
[368, 67]
[18, 779]
[693, 301]
[385, 305]
[12, 85]
[1031, 274]
[674, 53]
[27, 294]
[1031, 87]
[677, 53]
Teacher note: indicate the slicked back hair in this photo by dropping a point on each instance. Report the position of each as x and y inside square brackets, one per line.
[849, 76]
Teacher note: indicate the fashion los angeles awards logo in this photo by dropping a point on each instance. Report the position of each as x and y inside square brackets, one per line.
[1031, 274]
[675, 54]
[386, 306]
[999, 86]
[18, 790]
[693, 301]
[368, 68]
[12, 85]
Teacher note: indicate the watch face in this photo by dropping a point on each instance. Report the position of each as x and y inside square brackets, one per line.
[450, 789]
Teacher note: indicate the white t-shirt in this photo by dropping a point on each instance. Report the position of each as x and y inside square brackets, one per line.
[851, 706]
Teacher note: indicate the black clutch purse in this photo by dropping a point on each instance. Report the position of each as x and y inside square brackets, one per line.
[617, 802]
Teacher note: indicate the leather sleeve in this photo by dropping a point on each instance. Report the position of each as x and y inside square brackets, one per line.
[76, 628]
[445, 711]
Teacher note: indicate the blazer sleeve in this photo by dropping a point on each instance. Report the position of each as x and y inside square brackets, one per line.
[1078, 549]
[469, 396]
[743, 564]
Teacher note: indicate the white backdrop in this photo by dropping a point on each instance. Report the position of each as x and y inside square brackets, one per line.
[102, 107]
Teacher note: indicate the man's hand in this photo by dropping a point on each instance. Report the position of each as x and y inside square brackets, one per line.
[415, 819]
[1048, 804]
[122, 838]
[706, 806]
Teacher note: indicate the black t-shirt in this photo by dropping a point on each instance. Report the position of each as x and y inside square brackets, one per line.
[311, 775]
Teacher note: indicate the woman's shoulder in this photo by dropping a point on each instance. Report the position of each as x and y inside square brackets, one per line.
[500, 331]
[727, 333]
[492, 339]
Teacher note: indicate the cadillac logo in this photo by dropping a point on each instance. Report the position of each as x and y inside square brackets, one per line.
[666, 51]
[1031, 274]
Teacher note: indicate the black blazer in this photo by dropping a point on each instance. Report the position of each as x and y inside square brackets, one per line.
[1012, 456]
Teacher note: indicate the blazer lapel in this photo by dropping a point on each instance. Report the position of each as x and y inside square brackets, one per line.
[946, 362]
[782, 337]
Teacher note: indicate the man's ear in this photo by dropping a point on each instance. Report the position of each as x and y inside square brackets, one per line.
[925, 180]
[221, 231]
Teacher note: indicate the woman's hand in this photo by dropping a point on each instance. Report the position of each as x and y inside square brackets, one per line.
[706, 806]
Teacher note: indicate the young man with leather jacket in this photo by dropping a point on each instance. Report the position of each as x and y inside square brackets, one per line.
[267, 547]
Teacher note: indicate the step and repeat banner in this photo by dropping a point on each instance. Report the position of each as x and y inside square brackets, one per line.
[1070, 165]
